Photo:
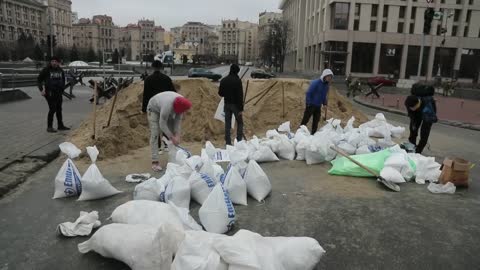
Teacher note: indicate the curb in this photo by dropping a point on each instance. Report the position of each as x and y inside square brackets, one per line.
[394, 111]
[13, 95]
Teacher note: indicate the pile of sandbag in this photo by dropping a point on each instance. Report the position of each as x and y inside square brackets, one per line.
[69, 182]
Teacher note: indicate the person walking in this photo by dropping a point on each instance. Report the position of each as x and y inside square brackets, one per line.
[155, 84]
[231, 89]
[51, 83]
[165, 111]
[317, 95]
[422, 111]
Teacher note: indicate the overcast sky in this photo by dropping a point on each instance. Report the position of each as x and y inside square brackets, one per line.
[171, 13]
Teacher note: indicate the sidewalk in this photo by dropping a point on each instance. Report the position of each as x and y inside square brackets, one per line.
[449, 109]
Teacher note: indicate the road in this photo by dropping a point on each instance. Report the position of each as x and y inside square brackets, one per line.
[359, 225]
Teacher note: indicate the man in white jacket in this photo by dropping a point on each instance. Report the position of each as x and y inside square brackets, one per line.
[165, 112]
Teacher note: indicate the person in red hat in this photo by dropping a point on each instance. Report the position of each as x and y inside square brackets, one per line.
[165, 112]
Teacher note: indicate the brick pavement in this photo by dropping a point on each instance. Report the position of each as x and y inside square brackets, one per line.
[451, 109]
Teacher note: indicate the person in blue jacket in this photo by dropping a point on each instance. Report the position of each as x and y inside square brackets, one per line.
[316, 97]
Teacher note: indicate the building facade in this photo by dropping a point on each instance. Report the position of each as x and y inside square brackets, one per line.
[22, 16]
[141, 39]
[74, 18]
[99, 33]
[383, 37]
[60, 13]
[265, 21]
[197, 35]
[238, 41]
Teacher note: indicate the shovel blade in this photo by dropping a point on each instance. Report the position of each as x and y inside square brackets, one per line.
[390, 185]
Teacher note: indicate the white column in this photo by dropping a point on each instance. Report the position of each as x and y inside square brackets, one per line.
[348, 66]
[376, 61]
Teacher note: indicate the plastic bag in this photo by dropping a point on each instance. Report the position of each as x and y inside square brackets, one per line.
[197, 252]
[235, 185]
[392, 175]
[258, 184]
[94, 185]
[448, 188]
[67, 181]
[149, 190]
[201, 185]
[141, 247]
[177, 190]
[217, 214]
[373, 161]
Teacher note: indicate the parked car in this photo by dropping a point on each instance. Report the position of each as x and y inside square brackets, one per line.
[203, 73]
[261, 74]
[382, 80]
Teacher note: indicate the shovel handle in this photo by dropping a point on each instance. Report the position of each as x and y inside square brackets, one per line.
[342, 153]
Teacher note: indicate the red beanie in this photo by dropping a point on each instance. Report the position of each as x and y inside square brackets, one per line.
[181, 105]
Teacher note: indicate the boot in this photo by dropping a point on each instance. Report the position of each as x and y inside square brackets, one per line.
[51, 130]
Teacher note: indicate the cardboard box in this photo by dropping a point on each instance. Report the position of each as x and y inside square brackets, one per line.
[455, 170]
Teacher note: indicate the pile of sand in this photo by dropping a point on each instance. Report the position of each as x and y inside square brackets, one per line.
[129, 128]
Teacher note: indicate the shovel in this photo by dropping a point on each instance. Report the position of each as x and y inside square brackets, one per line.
[381, 180]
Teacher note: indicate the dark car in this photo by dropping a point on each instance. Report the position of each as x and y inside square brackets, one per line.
[261, 74]
[382, 80]
[203, 73]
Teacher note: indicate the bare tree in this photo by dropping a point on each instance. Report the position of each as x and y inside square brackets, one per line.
[274, 47]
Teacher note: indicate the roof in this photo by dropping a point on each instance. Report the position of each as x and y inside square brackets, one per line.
[31, 2]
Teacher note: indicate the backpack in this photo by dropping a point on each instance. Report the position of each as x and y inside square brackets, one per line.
[429, 113]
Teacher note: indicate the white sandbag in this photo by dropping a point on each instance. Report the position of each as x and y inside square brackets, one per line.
[173, 170]
[286, 149]
[177, 154]
[210, 149]
[272, 143]
[67, 181]
[362, 150]
[296, 253]
[217, 214]
[94, 185]
[285, 127]
[302, 130]
[392, 175]
[397, 132]
[258, 184]
[195, 163]
[263, 154]
[150, 213]
[83, 226]
[319, 151]
[207, 167]
[347, 148]
[301, 147]
[427, 169]
[177, 190]
[141, 247]
[197, 252]
[235, 185]
[201, 185]
[448, 188]
[218, 172]
[149, 190]
[188, 221]
[401, 162]
[236, 155]
[386, 143]
[349, 127]
[272, 133]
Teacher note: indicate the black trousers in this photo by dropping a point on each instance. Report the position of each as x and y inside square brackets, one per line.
[316, 112]
[416, 124]
[54, 108]
[232, 109]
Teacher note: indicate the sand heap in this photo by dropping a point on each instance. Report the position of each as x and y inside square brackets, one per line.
[129, 128]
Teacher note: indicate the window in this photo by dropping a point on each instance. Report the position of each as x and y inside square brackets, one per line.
[373, 26]
[340, 16]
[454, 31]
[443, 1]
[384, 26]
[356, 24]
[469, 16]
[470, 2]
[456, 17]
[459, 2]
[412, 28]
[363, 55]
[400, 27]
[414, 13]
[357, 9]
[465, 32]
[385, 11]
[374, 10]
[439, 29]
[402, 12]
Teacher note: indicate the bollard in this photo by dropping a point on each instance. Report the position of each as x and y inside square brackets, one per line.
[398, 103]
[383, 101]
[462, 103]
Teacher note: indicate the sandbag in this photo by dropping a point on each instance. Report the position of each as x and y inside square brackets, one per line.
[177, 154]
[141, 247]
[151, 213]
[67, 181]
[263, 154]
[392, 175]
[235, 185]
[319, 150]
[201, 185]
[427, 169]
[373, 161]
[94, 185]
[402, 163]
[301, 147]
[363, 150]
[149, 190]
[347, 148]
[218, 172]
[217, 214]
[207, 167]
[258, 184]
[177, 190]
[195, 163]
[197, 252]
[285, 127]
[286, 148]
[236, 155]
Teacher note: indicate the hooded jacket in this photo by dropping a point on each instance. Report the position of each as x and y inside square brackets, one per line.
[318, 90]
[231, 89]
[53, 79]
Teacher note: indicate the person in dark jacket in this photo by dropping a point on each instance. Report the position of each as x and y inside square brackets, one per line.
[51, 83]
[231, 90]
[155, 84]
[423, 114]
[316, 97]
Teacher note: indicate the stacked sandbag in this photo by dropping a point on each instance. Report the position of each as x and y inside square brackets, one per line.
[67, 181]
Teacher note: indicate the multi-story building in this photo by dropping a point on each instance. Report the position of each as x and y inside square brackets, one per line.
[365, 37]
[99, 33]
[74, 18]
[22, 16]
[168, 41]
[265, 21]
[195, 34]
[238, 41]
[60, 14]
[143, 38]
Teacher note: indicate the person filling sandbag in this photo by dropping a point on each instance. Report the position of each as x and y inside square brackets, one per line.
[217, 214]
[165, 112]
[317, 95]
[94, 185]
[67, 181]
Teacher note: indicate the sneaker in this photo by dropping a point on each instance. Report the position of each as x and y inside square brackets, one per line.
[51, 130]
[156, 168]
[63, 128]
